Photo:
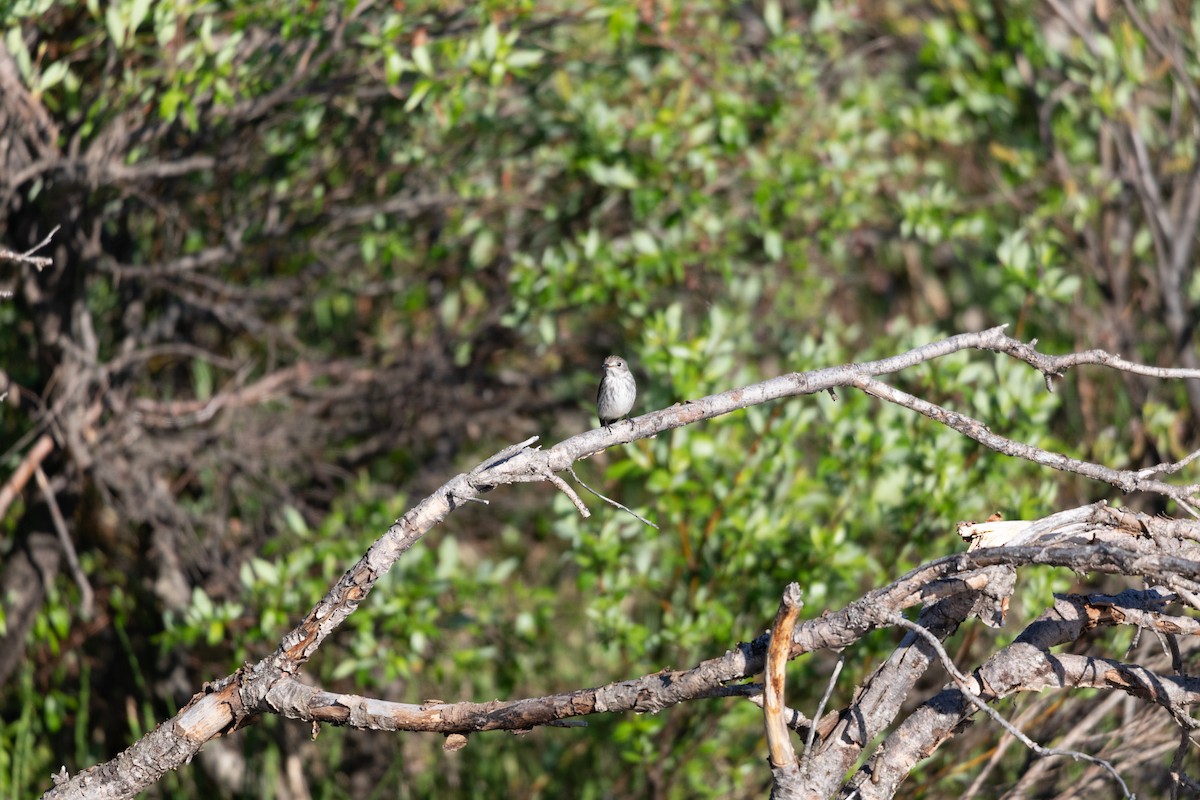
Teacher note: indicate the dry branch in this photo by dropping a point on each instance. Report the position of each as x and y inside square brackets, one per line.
[785, 771]
[1092, 538]
[28, 256]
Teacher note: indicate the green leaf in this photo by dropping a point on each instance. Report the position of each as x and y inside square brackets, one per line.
[138, 10]
[483, 248]
[420, 57]
[294, 520]
[15, 43]
[644, 243]
[115, 22]
[490, 40]
[519, 59]
[773, 245]
[394, 67]
[773, 17]
[422, 88]
[202, 379]
[52, 76]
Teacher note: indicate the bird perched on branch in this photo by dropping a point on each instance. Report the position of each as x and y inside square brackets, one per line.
[617, 391]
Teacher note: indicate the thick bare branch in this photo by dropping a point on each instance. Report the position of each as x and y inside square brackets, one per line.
[1028, 666]
[880, 699]
[1091, 538]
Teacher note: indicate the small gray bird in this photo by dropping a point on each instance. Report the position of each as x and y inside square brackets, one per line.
[617, 391]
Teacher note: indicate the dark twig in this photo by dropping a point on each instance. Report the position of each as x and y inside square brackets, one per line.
[86, 595]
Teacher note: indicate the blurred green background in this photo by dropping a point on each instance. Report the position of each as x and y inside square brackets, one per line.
[429, 223]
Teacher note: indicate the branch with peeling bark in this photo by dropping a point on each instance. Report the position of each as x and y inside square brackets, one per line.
[785, 770]
[1093, 538]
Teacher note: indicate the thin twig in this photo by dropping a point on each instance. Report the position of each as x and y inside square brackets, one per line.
[812, 730]
[1068, 16]
[753, 692]
[42, 243]
[1168, 469]
[86, 596]
[983, 778]
[960, 681]
[1171, 58]
[1056, 366]
[28, 256]
[1125, 480]
[610, 501]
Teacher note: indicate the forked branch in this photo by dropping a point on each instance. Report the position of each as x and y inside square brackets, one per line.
[1093, 538]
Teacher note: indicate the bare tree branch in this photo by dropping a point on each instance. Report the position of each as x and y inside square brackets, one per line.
[28, 256]
[1091, 538]
[972, 695]
[785, 771]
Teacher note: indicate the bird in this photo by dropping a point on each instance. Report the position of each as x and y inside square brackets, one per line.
[617, 391]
